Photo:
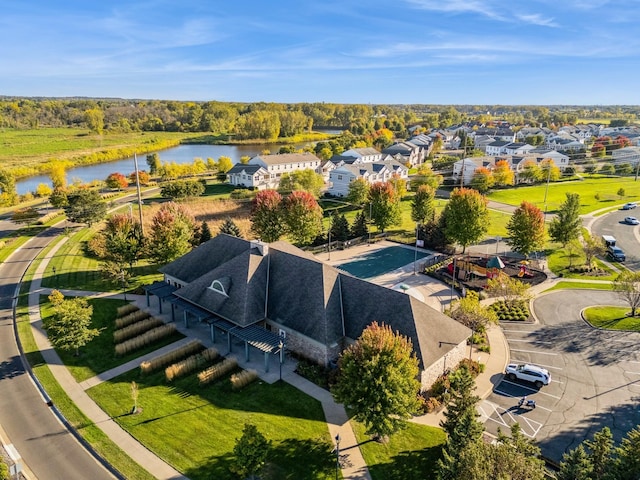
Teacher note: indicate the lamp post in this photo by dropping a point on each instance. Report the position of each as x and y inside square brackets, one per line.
[498, 238]
[55, 277]
[329, 246]
[453, 278]
[415, 256]
[370, 219]
[337, 456]
[281, 347]
[124, 290]
[546, 190]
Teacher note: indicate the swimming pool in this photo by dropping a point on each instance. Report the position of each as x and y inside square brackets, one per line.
[380, 261]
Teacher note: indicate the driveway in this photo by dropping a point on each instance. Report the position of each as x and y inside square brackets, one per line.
[595, 375]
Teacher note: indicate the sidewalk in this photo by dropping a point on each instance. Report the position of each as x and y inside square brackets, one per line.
[352, 462]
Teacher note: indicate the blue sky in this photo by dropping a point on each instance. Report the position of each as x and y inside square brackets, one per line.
[348, 51]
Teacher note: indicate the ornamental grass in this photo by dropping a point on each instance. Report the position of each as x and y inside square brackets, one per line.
[173, 356]
[217, 371]
[191, 363]
[135, 329]
[147, 338]
[131, 318]
[244, 378]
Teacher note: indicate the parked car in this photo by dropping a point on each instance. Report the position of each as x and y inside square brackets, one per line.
[616, 254]
[537, 375]
[629, 206]
[631, 221]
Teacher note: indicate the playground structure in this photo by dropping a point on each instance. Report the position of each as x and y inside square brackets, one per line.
[475, 272]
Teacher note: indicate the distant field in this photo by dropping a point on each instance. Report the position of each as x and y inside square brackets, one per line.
[605, 187]
[25, 151]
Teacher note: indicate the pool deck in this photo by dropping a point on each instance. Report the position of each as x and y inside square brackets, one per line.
[429, 290]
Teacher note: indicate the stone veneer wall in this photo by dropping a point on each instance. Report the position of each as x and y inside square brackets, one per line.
[307, 347]
[446, 362]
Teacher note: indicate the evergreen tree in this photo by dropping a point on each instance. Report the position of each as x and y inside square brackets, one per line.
[339, 227]
[601, 453]
[205, 233]
[576, 465]
[85, 206]
[230, 228]
[627, 466]
[567, 224]
[360, 228]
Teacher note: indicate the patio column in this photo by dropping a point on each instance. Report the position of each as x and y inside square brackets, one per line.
[213, 332]
[173, 312]
[186, 319]
[266, 362]
[246, 351]
[146, 292]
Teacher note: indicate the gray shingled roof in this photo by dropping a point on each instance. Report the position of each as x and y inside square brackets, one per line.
[202, 259]
[250, 169]
[304, 294]
[244, 279]
[288, 158]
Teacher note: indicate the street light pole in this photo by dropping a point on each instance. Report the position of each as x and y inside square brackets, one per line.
[415, 257]
[370, 219]
[281, 347]
[546, 190]
[337, 456]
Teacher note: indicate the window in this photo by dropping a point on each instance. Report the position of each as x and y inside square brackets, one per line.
[339, 177]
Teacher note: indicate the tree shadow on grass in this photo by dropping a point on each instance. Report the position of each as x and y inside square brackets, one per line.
[409, 465]
[287, 460]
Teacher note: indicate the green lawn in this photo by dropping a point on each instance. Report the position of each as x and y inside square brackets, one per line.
[98, 355]
[195, 428]
[76, 270]
[584, 285]
[605, 187]
[612, 318]
[558, 260]
[410, 454]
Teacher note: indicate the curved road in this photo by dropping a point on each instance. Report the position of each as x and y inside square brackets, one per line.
[627, 236]
[49, 450]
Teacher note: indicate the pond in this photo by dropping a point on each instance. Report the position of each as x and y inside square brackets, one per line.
[179, 154]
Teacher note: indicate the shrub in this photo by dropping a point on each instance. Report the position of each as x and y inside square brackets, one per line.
[433, 404]
[171, 357]
[218, 370]
[145, 339]
[127, 309]
[191, 363]
[472, 366]
[134, 329]
[242, 379]
[131, 318]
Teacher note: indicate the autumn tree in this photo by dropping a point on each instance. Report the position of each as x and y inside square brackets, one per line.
[549, 171]
[116, 181]
[358, 191]
[503, 176]
[154, 163]
[224, 164]
[422, 204]
[510, 289]
[471, 313]
[123, 244]
[143, 177]
[377, 377]
[8, 193]
[592, 248]
[250, 452]
[526, 229]
[385, 205]
[482, 180]
[172, 232]
[95, 119]
[302, 216]
[267, 215]
[85, 206]
[566, 225]
[426, 176]
[627, 286]
[399, 185]
[530, 172]
[58, 174]
[466, 217]
[69, 328]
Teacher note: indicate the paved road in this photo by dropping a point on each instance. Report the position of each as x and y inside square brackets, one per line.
[627, 236]
[595, 375]
[46, 446]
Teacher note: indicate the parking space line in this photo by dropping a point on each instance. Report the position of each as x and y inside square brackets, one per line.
[517, 331]
[532, 424]
[538, 364]
[513, 396]
[531, 389]
[632, 373]
[534, 351]
[529, 341]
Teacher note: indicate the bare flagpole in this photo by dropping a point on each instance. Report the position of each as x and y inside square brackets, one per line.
[135, 161]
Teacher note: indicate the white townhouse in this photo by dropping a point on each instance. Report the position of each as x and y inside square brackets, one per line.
[467, 167]
[372, 172]
[406, 152]
[271, 168]
[497, 147]
[367, 154]
[518, 148]
[629, 155]
[561, 160]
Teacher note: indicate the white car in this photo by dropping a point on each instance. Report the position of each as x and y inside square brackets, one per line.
[629, 206]
[530, 373]
[631, 221]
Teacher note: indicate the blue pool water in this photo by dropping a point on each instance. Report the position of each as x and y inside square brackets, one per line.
[381, 261]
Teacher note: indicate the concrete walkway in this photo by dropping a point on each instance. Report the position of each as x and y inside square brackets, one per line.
[353, 465]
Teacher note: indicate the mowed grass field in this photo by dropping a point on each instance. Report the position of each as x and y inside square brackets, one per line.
[606, 188]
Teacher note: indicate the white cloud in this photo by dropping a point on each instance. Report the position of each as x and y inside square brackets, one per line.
[537, 19]
[459, 6]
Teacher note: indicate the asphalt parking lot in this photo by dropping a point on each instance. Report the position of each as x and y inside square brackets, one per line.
[595, 375]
